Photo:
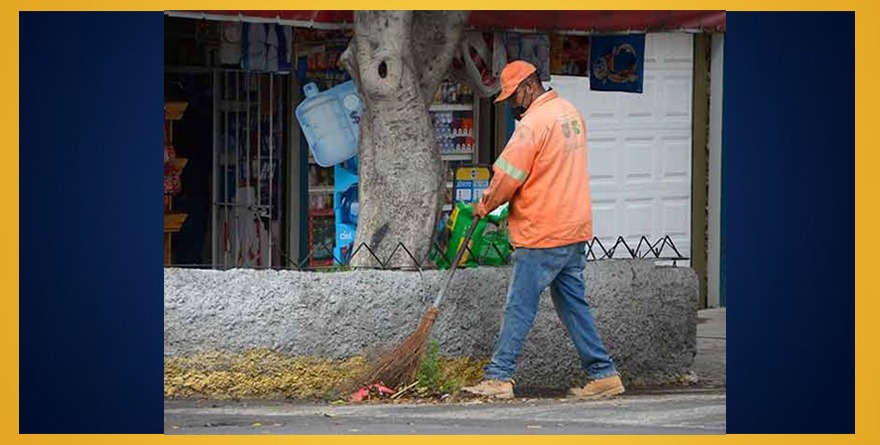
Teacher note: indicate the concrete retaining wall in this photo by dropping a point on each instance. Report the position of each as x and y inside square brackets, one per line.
[646, 315]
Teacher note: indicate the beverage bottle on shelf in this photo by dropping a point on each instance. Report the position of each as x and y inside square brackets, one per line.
[439, 95]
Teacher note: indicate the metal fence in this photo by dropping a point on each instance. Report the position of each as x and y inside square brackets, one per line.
[663, 249]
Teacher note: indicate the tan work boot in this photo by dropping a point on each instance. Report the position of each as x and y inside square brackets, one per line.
[599, 389]
[498, 389]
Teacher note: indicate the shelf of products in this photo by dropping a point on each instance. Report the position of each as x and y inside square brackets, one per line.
[322, 236]
[451, 93]
[319, 202]
[458, 156]
[454, 116]
[454, 131]
[454, 119]
[452, 107]
[319, 213]
[173, 221]
[320, 189]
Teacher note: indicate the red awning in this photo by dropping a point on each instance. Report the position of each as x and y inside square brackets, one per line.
[560, 21]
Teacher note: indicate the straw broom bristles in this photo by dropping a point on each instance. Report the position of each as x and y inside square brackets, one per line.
[399, 366]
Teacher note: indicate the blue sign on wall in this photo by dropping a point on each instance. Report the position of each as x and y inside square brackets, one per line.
[617, 63]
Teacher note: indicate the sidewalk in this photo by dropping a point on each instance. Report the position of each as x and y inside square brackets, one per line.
[710, 364]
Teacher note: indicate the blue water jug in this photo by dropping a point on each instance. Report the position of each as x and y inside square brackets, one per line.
[330, 121]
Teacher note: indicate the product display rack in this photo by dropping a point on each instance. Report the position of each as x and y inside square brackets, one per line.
[173, 168]
[454, 112]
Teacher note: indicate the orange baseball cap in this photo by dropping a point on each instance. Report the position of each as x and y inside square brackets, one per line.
[512, 75]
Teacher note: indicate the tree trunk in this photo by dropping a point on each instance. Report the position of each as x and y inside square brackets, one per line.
[397, 59]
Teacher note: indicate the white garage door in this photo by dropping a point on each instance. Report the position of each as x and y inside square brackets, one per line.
[640, 148]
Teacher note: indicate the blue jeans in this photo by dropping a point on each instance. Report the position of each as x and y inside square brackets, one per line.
[562, 268]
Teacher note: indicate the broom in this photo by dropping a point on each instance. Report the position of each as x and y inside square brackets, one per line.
[400, 365]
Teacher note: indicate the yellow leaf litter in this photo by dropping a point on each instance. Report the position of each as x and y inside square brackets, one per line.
[267, 374]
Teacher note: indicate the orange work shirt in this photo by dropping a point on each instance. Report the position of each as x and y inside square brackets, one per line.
[543, 174]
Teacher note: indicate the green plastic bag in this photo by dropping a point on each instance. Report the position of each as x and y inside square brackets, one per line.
[490, 248]
[459, 223]
[496, 244]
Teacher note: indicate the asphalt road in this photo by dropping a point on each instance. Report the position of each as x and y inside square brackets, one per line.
[680, 412]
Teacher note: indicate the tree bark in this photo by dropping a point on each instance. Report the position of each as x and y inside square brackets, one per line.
[397, 59]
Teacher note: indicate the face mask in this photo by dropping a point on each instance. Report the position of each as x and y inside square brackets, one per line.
[519, 110]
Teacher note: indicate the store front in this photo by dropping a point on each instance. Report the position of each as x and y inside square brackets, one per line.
[276, 206]
[261, 200]
[233, 135]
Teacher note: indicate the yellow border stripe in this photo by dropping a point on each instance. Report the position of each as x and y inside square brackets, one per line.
[866, 183]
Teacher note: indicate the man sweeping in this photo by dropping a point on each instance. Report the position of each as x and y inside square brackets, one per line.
[542, 173]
